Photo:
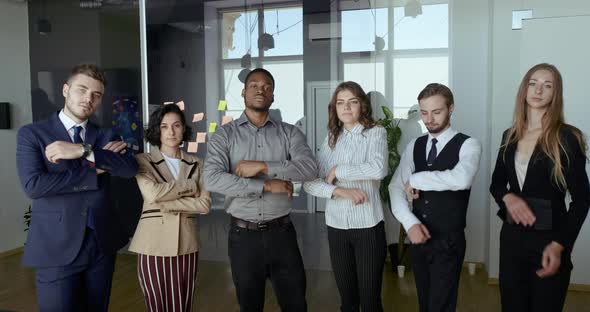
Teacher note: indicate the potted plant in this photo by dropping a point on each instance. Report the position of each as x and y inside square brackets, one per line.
[394, 134]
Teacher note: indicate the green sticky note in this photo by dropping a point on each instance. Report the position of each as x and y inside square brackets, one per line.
[222, 105]
[212, 126]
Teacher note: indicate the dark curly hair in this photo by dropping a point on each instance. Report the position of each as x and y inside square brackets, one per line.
[365, 118]
[152, 133]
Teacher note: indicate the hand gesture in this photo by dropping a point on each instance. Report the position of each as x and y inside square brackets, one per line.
[519, 210]
[59, 150]
[279, 186]
[250, 168]
[357, 196]
[551, 260]
[418, 234]
[116, 147]
[411, 193]
[331, 178]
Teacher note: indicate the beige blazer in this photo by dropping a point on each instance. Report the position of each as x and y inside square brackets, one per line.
[166, 226]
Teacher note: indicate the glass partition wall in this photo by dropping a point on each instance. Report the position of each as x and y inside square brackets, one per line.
[198, 52]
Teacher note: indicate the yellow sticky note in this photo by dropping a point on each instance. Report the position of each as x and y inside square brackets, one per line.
[226, 119]
[180, 105]
[198, 117]
[193, 147]
[222, 105]
[201, 137]
[212, 126]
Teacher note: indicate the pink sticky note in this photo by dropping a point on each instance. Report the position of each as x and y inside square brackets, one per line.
[180, 105]
[201, 137]
[198, 117]
[226, 119]
[193, 147]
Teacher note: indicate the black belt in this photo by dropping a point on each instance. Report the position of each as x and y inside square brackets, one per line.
[261, 226]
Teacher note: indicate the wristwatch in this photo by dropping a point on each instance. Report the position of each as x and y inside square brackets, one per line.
[87, 150]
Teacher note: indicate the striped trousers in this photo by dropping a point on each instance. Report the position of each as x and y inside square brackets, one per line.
[358, 257]
[168, 283]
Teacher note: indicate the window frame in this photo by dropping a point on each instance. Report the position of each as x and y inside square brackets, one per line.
[388, 56]
[259, 60]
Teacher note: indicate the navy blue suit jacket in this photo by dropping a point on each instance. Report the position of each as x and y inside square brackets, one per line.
[63, 194]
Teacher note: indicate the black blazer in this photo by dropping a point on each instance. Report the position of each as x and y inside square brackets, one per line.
[539, 183]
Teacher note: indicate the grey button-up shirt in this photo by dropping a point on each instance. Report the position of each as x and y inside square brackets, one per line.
[282, 146]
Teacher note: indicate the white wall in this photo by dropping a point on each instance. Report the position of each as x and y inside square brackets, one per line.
[469, 63]
[485, 70]
[506, 74]
[14, 88]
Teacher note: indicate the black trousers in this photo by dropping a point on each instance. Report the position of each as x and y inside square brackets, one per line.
[358, 256]
[273, 254]
[521, 288]
[437, 267]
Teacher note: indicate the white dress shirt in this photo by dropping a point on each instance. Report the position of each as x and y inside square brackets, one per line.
[459, 178]
[361, 162]
[70, 125]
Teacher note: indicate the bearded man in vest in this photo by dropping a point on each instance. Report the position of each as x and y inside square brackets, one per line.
[434, 177]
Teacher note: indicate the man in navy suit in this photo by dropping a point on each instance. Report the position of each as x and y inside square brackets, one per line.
[64, 164]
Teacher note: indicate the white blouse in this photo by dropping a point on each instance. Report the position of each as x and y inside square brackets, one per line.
[521, 165]
[173, 165]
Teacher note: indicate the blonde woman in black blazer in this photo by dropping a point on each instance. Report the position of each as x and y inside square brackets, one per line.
[540, 159]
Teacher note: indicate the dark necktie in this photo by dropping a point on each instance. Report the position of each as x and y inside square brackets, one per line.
[77, 136]
[432, 153]
[78, 140]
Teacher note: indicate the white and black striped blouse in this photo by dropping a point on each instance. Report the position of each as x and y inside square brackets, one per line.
[360, 158]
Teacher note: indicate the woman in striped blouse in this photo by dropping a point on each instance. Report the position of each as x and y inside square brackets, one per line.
[352, 161]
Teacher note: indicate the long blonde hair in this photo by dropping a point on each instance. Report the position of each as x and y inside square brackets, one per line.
[552, 122]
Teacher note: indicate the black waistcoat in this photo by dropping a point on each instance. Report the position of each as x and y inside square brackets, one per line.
[444, 211]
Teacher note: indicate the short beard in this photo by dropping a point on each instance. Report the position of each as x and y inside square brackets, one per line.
[261, 109]
[257, 108]
[435, 131]
[73, 113]
[442, 127]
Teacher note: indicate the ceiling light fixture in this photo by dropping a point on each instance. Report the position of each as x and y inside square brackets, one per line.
[412, 8]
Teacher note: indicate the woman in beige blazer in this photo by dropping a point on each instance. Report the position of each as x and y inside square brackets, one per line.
[166, 238]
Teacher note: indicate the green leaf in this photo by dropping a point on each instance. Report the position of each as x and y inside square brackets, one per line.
[397, 134]
[383, 123]
[387, 112]
[384, 187]
[390, 138]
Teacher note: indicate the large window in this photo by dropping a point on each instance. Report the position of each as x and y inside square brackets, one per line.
[360, 27]
[367, 72]
[428, 30]
[419, 55]
[240, 33]
[411, 74]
